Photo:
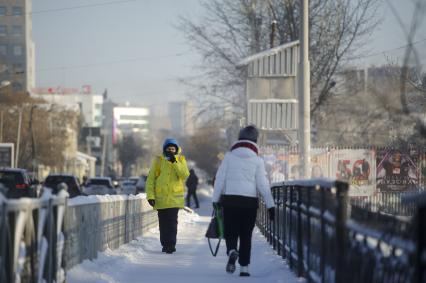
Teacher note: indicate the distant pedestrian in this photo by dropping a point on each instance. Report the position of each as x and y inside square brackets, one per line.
[239, 179]
[191, 184]
[165, 187]
[84, 182]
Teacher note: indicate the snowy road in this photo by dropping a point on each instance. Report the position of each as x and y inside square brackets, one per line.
[142, 259]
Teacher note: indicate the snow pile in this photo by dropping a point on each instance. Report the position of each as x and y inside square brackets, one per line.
[142, 260]
[81, 200]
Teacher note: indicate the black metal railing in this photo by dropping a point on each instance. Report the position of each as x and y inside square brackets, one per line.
[31, 239]
[388, 202]
[325, 239]
[95, 227]
[40, 239]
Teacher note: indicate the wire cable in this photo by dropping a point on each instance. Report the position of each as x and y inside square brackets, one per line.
[106, 63]
[53, 10]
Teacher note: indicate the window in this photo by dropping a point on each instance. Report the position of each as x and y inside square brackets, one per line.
[98, 106]
[17, 87]
[3, 30]
[132, 117]
[3, 49]
[17, 30]
[17, 50]
[98, 119]
[17, 11]
[19, 68]
[2, 11]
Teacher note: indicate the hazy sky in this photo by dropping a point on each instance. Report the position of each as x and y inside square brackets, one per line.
[132, 49]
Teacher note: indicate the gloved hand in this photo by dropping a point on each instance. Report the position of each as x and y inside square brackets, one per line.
[151, 202]
[271, 212]
[171, 157]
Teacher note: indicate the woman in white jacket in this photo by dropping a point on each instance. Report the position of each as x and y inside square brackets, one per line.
[239, 179]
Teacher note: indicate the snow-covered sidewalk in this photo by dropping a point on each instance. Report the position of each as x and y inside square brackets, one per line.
[142, 259]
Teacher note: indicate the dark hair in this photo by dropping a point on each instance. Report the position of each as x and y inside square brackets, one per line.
[249, 133]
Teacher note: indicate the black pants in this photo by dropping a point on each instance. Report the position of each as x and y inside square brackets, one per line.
[239, 224]
[168, 221]
[188, 198]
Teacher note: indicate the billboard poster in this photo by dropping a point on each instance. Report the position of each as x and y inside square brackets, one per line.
[355, 166]
[294, 166]
[276, 164]
[397, 170]
[319, 163]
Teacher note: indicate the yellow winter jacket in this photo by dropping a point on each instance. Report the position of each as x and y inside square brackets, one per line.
[166, 182]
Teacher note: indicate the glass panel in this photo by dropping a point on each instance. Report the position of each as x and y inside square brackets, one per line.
[17, 50]
[17, 11]
[3, 29]
[3, 49]
[17, 30]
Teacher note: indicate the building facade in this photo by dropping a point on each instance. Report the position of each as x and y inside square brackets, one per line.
[90, 104]
[176, 118]
[131, 121]
[17, 54]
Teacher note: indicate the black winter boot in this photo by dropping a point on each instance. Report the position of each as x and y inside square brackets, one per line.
[170, 249]
[244, 271]
[230, 266]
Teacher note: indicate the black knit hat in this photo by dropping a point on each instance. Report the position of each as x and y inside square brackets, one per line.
[249, 133]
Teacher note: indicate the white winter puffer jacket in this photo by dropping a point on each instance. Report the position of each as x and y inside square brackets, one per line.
[242, 173]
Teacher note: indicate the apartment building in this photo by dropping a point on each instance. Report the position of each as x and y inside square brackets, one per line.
[17, 54]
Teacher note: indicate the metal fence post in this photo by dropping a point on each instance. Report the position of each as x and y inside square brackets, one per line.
[268, 224]
[308, 232]
[4, 256]
[299, 234]
[274, 227]
[420, 271]
[290, 228]
[341, 218]
[49, 237]
[277, 219]
[322, 235]
[284, 218]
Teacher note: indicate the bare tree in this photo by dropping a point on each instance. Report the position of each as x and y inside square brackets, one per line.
[205, 146]
[366, 112]
[234, 29]
[129, 150]
[390, 110]
[413, 77]
[44, 131]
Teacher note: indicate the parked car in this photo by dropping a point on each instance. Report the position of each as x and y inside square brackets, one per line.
[129, 186]
[99, 186]
[73, 187]
[140, 185]
[18, 183]
[3, 190]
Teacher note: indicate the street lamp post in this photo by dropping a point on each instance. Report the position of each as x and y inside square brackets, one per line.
[18, 139]
[3, 84]
[304, 92]
[1, 126]
[18, 135]
[33, 148]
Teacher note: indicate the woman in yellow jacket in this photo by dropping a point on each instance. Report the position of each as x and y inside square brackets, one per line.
[165, 191]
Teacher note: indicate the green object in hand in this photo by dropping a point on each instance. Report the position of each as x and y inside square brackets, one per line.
[219, 219]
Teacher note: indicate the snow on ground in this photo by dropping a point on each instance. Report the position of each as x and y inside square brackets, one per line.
[82, 200]
[142, 260]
